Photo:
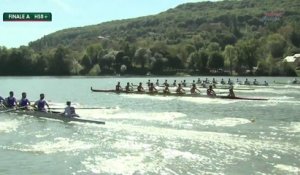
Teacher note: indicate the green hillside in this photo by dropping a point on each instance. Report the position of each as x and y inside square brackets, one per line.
[238, 37]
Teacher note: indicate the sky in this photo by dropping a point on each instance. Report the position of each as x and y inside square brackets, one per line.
[72, 13]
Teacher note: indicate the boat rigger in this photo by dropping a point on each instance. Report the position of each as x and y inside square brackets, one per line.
[51, 115]
[174, 94]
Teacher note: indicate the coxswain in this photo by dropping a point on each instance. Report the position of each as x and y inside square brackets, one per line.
[166, 89]
[152, 89]
[140, 88]
[10, 101]
[24, 103]
[118, 87]
[179, 89]
[231, 93]
[128, 87]
[174, 83]
[210, 92]
[194, 88]
[69, 110]
[40, 104]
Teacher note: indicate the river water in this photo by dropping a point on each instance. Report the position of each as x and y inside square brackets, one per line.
[152, 134]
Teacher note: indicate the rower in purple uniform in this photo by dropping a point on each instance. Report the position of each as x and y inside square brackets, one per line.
[24, 103]
[41, 103]
[10, 101]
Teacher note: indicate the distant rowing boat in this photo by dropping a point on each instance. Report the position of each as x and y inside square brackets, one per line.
[52, 115]
[175, 94]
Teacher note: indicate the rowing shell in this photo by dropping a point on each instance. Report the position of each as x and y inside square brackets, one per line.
[176, 94]
[56, 116]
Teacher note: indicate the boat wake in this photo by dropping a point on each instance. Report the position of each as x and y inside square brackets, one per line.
[7, 126]
[57, 145]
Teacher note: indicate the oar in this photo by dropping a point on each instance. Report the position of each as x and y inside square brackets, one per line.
[12, 109]
[86, 108]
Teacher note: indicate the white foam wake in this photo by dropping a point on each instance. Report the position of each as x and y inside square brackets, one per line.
[8, 126]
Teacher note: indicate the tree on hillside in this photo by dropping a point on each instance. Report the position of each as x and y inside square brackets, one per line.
[230, 55]
[248, 53]
[142, 56]
[216, 61]
[61, 62]
[4, 54]
[107, 62]
[276, 45]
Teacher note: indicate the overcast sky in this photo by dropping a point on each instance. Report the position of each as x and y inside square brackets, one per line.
[72, 13]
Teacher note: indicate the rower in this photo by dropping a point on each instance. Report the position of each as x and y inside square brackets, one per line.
[1, 99]
[10, 101]
[231, 93]
[222, 81]
[246, 82]
[166, 89]
[214, 81]
[229, 82]
[148, 83]
[194, 88]
[157, 82]
[206, 80]
[266, 83]
[24, 103]
[40, 104]
[199, 81]
[210, 92]
[166, 83]
[152, 89]
[128, 87]
[295, 81]
[70, 110]
[118, 87]
[180, 90]
[140, 88]
[174, 83]
[255, 82]
[184, 83]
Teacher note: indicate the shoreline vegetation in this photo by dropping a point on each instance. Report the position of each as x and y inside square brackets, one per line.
[224, 38]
